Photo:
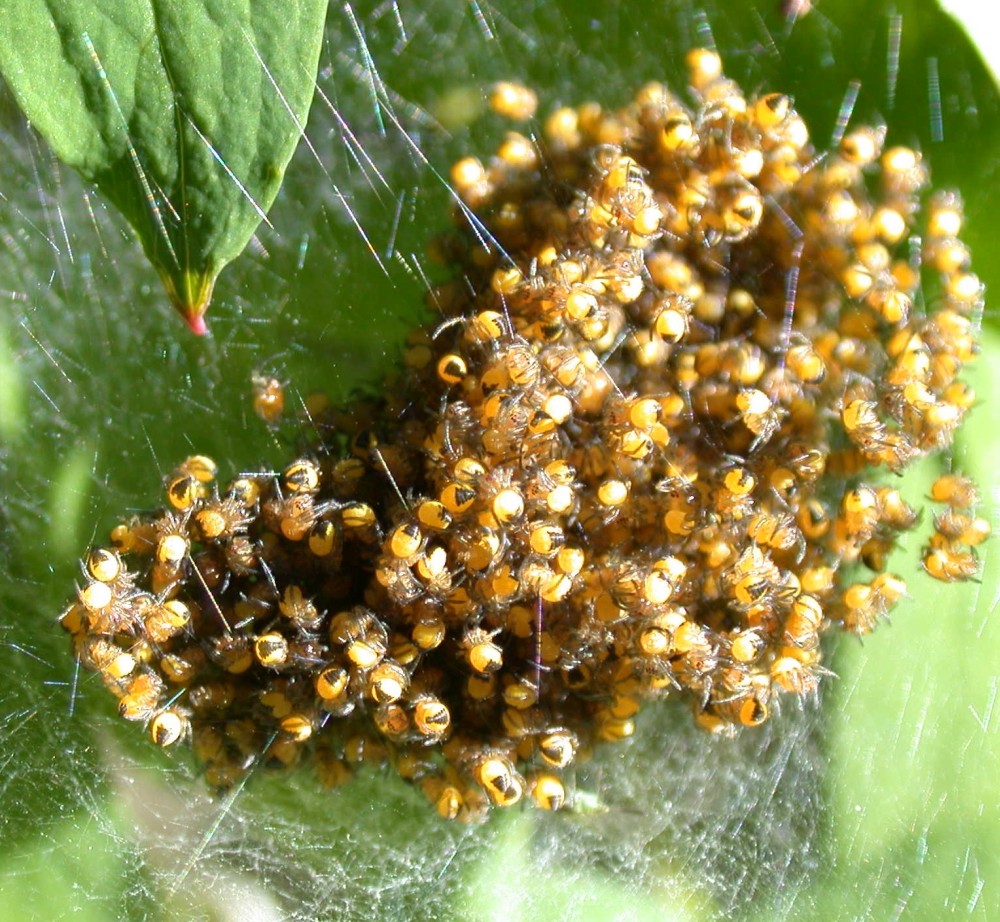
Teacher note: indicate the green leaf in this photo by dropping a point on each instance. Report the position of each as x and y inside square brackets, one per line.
[69, 491]
[39, 878]
[913, 729]
[185, 114]
[783, 823]
[11, 391]
[527, 885]
[975, 20]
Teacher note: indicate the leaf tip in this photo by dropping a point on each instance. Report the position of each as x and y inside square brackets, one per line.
[196, 323]
[190, 293]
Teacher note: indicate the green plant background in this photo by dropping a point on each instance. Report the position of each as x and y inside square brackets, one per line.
[879, 801]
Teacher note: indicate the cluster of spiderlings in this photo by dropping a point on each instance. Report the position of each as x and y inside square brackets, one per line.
[641, 456]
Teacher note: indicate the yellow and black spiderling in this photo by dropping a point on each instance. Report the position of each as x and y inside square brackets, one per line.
[632, 462]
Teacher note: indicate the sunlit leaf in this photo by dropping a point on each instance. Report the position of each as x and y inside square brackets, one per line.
[913, 725]
[184, 114]
[514, 891]
[976, 19]
[103, 865]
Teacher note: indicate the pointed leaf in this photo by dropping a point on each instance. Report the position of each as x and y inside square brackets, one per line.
[185, 114]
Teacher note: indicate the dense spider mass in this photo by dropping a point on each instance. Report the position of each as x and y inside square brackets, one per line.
[642, 456]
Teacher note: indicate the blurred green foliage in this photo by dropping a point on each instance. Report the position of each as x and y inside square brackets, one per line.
[875, 802]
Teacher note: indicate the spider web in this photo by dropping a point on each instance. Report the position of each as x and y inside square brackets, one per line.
[878, 800]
